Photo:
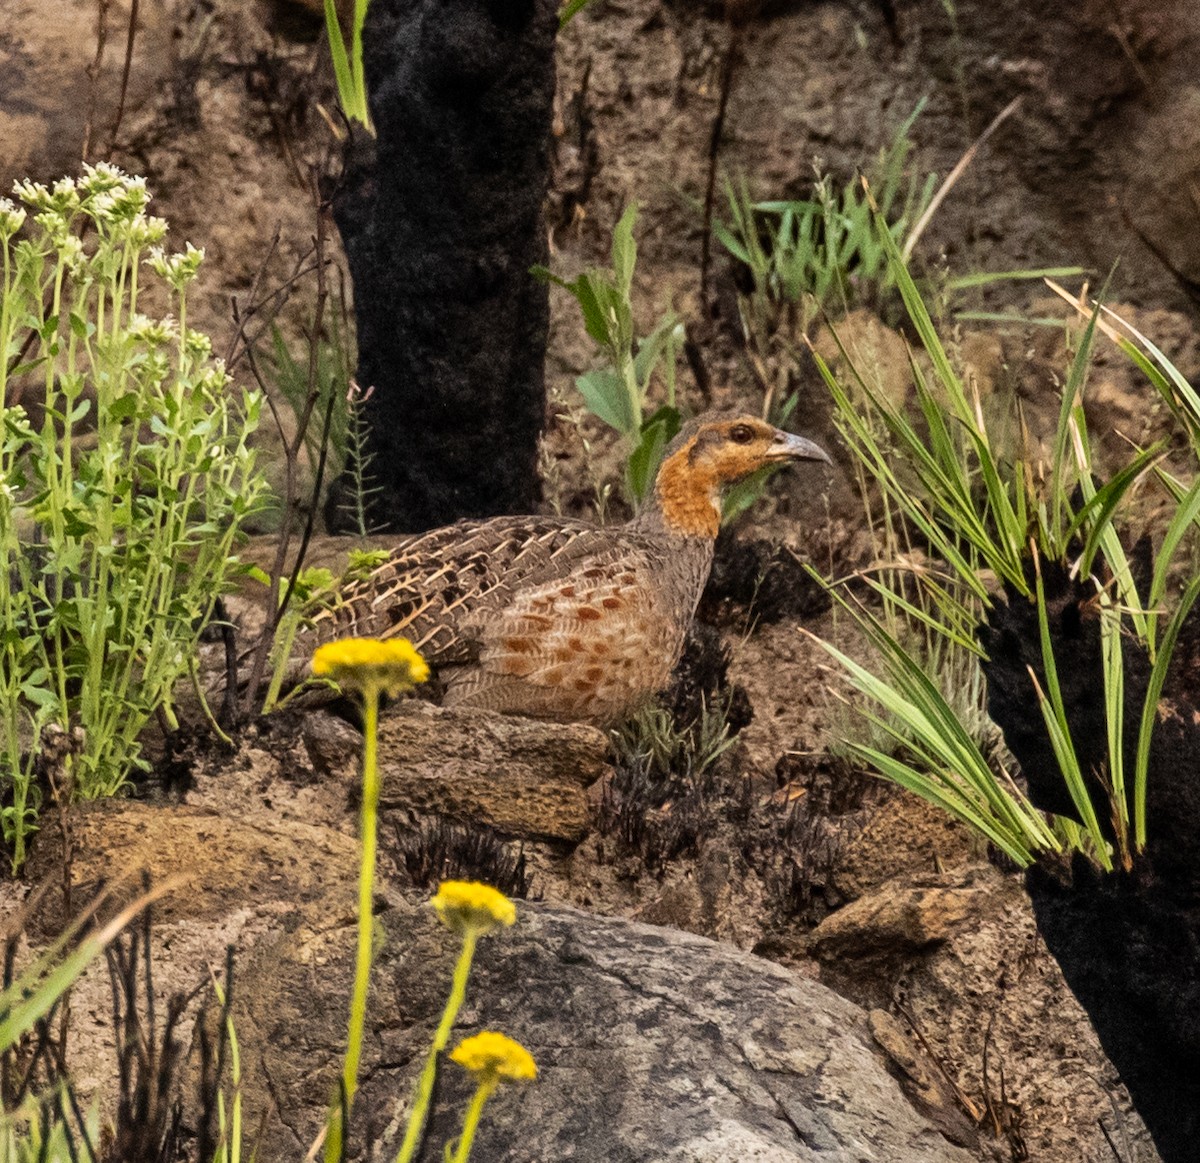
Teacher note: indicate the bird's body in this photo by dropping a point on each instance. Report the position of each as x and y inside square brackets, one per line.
[562, 619]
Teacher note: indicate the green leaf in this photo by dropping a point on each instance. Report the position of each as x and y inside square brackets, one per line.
[1098, 512]
[986, 278]
[624, 250]
[569, 11]
[1071, 406]
[75, 525]
[742, 496]
[124, 407]
[645, 459]
[341, 63]
[1150, 708]
[731, 243]
[604, 393]
[596, 299]
[1186, 514]
[257, 573]
[1054, 715]
[651, 349]
[546, 275]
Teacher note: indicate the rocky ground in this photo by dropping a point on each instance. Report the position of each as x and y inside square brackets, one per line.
[812, 940]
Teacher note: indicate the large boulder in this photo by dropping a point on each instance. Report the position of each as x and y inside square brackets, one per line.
[651, 1045]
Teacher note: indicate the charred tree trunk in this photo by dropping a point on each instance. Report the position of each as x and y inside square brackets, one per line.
[1128, 943]
[442, 218]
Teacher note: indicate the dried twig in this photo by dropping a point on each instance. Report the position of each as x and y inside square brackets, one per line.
[93, 76]
[291, 450]
[241, 318]
[953, 176]
[728, 66]
[972, 1108]
[130, 36]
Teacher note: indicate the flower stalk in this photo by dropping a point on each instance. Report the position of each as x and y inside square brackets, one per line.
[471, 910]
[369, 667]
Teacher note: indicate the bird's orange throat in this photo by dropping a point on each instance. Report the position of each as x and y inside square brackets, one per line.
[688, 495]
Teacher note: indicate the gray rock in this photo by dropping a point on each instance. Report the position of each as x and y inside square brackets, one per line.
[651, 1045]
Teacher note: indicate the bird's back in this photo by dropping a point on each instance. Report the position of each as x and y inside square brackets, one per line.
[542, 616]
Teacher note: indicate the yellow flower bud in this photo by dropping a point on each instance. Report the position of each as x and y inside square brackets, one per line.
[364, 664]
[467, 906]
[493, 1057]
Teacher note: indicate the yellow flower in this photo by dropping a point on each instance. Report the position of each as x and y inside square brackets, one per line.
[492, 1057]
[364, 664]
[467, 906]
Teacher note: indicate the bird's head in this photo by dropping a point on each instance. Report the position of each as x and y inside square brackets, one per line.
[713, 451]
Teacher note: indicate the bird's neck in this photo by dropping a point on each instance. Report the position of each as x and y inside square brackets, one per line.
[686, 501]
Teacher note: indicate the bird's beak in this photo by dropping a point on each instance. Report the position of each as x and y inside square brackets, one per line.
[786, 446]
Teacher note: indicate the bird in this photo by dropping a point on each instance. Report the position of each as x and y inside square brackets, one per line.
[556, 618]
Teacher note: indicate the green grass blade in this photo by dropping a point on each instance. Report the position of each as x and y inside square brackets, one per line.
[1072, 406]
[1050, 701]
[1158, 676]
[987, 278]
[341, 63]
[1186, 514]
[911, 698]
[1112, 655]
[939, 795]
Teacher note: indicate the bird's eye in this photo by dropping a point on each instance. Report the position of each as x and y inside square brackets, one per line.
[741, 434]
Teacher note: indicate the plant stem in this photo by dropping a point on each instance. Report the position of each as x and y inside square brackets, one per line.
[366, 884]
[362, 968]
[471, 1121]
[458, 991]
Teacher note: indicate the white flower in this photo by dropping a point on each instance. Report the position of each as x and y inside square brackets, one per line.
[71, 253]
[33, 194]
[145, 230]
[12, 218]
[103, 177]
[153, 332]
[176, 269]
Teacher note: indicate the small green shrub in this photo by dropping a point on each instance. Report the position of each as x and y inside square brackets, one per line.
[806, 256]
[333, 369]
[120, 503]
[340, 433]
[618, 392]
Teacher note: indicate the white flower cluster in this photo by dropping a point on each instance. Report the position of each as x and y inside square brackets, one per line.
[115, 201]
[12, 218]
[153, 332]
[177, 269]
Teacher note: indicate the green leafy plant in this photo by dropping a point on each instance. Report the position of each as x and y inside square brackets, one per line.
[653, 739]
[618, 392]
[229, 1111]
[121, 494]
[976, 511]
[348, 66]
[359, 457]
[809, 255]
